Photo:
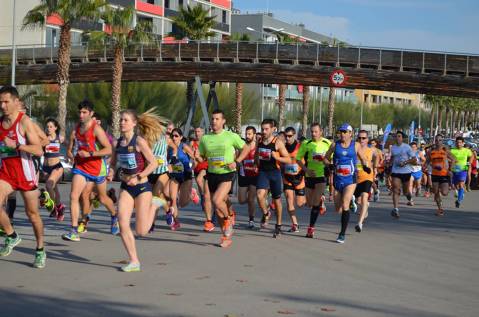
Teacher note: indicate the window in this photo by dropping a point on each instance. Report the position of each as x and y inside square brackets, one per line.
[366, 98]
[225, 17]
[52, 37]
[180, 4]
[167, 4]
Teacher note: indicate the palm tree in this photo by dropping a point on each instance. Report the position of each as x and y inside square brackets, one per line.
[68, 11]
[121, 34]
[281, 105]
[238, 111]
[194, 23]
[332, 93]
[304, 127]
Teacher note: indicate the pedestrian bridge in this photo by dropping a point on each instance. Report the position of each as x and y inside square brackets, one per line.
[250, 62]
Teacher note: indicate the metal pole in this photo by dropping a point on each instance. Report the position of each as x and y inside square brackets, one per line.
[314, 103]
[320, 104]
[361, 125]
[262, 102]
[14, 49]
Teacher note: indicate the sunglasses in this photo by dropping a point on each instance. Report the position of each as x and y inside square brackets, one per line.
[289, 135]
[362, 137]
[343, 131]
[175, 135]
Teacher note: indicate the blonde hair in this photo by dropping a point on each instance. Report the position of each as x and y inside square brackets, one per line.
[151, 126]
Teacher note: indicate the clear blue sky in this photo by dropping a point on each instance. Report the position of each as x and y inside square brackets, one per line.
[443, 25]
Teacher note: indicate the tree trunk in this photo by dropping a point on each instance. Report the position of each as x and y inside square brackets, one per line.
[281, 105]
[332, 99]
[116, 91]
[63, 74]
[453, 122]
[304, 127]
[431, 127]
[448, 112]
[439, 119]
[239, 107]
[189, 93]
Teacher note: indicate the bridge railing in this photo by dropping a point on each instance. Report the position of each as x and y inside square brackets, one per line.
[378, 58]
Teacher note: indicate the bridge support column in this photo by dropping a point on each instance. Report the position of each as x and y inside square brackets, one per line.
[204, 104]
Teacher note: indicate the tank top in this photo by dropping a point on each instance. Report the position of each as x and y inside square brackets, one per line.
[53, 148]
[439, 162]
[87, 142]
[362, 175]
[13, 160]
[345, 159]
[248, 168]
[160, 151]
[131, 161]
[417, 167]
[200, 166]
[292, 168]
[180, 163]
[265, 153]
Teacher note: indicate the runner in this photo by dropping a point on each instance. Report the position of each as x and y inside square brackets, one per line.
[293, 179]
[136, 162]
[200, 173]
[181, 175]
[270, 152]
[402, 157]
[248, 175]
[379, 175]
[18, 142]
[345, 154]
[440, 159]
[416, 170]
[365, 178]
[312, 152]
[92, 146]
[53, 170]
[462, 168]
[218, 148]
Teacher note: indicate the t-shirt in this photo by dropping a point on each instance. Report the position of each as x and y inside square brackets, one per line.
[219, 149]
[462, 159]
[314, 152]
[399, 154]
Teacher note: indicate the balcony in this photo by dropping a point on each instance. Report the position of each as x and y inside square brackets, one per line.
[171, 13]
[149, 8]
[223, 27]
[122, 3]
[87, 25]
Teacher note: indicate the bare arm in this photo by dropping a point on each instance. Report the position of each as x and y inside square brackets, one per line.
[329, 153]
[71, 143]
[244, 153]
[149, 157]
[104, 142]
[33, 145]
[283, 156]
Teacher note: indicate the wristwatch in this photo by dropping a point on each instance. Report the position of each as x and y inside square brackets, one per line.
[91, 153]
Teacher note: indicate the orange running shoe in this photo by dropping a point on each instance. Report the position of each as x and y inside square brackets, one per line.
[208, 226]
[195, 198]
[225, 242]
[233, 218]
[322, 206]
[227, 228]
[440, 212]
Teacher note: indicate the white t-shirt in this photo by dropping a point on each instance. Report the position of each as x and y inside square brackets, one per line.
[416, 167]
[401, 153]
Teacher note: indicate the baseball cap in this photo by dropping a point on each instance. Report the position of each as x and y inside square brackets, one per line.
[346, 127]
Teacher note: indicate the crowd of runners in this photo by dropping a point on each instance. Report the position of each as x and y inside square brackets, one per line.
[157, 165]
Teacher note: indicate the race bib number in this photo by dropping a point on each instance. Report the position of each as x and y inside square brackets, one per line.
[161, 160]
[343, 170]
[248, 165]
[178, 168]
[127, 161]
[52, 148]
[318, 156]
[264, 154]
[6, 151]
[457, 168]
[217, 162]
[291, 169]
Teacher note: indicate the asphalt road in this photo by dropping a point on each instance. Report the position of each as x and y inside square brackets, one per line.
[419, 265]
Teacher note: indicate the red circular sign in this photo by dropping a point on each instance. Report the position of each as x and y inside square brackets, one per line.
[337, 78]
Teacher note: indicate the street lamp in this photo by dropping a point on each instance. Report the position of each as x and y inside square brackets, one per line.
[14, 50]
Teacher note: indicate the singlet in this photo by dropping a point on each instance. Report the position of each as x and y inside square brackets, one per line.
[18, 161]
[265, 153]
[417, 167]
[131, 161]
[313, 153]
[53, 148]
[439, 162]
[362, 175]
[87, 142]
[345, 160]
[248, 168]
[200, 166]
[462, 156]
[181, 162]
[219, 149]
[400, 154]
[160, 151]
[292, 168]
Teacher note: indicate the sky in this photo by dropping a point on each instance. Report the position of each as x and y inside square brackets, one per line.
[439, 25]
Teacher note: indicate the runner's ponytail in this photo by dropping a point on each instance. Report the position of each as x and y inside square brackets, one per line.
[150, 125]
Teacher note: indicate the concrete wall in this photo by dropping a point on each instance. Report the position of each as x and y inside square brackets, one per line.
[25, 37]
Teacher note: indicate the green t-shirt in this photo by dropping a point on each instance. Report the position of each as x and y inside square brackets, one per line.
[314, 152]
[219, 149]
[462, 158]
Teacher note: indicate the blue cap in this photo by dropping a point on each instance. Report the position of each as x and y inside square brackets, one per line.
[346, 127]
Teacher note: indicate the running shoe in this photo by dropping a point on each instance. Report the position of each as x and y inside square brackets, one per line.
[294, 228]
[233, 218]
[440, 212]
[195, 198]
[10, 243]
[71, 236]
[310, 233]
[272, 206]
[152, 228]
[427, 194]
[458, 204]
[82, 227]
[277, 231]
[264, 220]
[176, 225]
[227, 228]
[359, 227]
[330, 197]
[410, 202]
[208, 226]
[60, 212]
[115, 226]
[49, 203]
[468, 188]
[251, 225]
[455, 193]
[376, 196]
[225, 242]
[169, 217]
[395, 213]
[40, 259]
[2, 232]
[112, 194]
[353, 206]
[322, 206]
[131, 267]
[341, 238]
[158, 201]
[41, 198]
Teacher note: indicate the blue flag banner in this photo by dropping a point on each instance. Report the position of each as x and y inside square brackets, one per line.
[411, 132]
[388, 129]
